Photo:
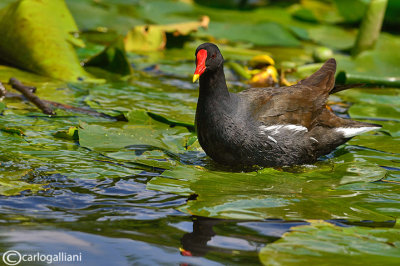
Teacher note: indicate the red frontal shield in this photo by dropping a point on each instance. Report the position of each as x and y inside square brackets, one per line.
[200, 64]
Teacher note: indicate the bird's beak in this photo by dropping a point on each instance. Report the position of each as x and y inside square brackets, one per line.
[195, 77]
[200, 64]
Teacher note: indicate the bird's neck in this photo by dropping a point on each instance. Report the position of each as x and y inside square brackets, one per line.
[213, 85]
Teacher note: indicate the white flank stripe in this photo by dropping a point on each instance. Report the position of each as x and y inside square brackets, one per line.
[349, 132]
[271, 138]
[276, 128]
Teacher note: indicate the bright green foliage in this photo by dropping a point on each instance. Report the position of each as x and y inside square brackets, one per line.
[2, 107]
[71, 134]
[113, 59]
[312, 193]
[44, 31]
[11, 183]
[142, 130]
[378, 66]
[321, 243]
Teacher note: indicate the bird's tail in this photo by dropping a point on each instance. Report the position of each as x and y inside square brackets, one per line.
[324, 78]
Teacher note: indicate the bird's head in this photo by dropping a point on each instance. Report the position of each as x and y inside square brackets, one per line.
[208, 59]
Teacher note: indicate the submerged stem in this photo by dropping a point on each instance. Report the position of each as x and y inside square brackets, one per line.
[370, 26]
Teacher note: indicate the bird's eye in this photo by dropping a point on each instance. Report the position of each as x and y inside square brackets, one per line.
[214, 55]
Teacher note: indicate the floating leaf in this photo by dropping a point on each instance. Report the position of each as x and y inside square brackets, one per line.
[352, 11]
[2, 107]
[153, 37]
[145, 38]
[71, 134]
[11, 183]
[263, 33]
[363, 111]
[185, 28]
[44, 31]
[160, 98]
[276, 194]
[379, 143]
[378, 66]
[171, 122]
[333, 36]
[99, 15]
[321, 243]
[113, 58]
[153, 135]
[317, 11]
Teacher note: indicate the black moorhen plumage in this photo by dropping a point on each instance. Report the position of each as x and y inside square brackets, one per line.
[268, 126]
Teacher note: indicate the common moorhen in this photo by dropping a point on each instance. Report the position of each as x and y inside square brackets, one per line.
[268, 126]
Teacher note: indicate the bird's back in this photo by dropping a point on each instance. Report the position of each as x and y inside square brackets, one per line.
[295, 120]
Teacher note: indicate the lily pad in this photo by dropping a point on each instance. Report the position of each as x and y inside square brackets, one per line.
[111, 139]
[143, 132]
[263, 33]
[389, 112]
[321, 243]
[333, 36]
[377, 66]
[11, 183]
[113, 58]
[271, 193]
[317, 11]
[380, 143]
[352, 11]
[145, 38]
[2, 107]
[160, 99]
[95, 15]
[71, 134]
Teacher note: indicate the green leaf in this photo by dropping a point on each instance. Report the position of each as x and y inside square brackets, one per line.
[314, 193]
[162, 99]
[322, 243]
[171, 122]
[70, 134]
[154, 37]
[7, 72]
[317, 11]
[91, 15]
[44, 30]
[2, 107]
[364, 111]
[145, 39]
[11, 183]
[263, 33]
[379, 143]
[333, 36]
[113, 59]
[152, 135]
[352, 11]
[379, 66]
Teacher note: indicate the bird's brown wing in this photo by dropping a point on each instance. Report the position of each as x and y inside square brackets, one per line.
[300, 104]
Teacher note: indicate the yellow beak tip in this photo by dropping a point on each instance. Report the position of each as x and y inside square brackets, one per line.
[195, 77]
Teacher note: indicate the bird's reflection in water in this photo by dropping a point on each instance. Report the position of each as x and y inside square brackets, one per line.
[241, 238]
[232, 236]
